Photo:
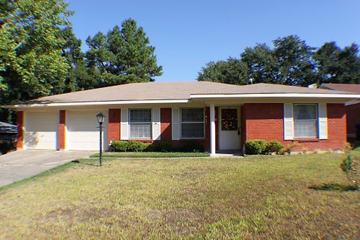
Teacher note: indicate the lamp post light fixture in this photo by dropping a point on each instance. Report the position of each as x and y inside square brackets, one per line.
[100, 118]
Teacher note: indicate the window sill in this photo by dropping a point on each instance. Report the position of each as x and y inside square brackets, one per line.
[306, 139]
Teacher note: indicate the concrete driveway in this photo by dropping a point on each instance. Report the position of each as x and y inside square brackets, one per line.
[18, 165]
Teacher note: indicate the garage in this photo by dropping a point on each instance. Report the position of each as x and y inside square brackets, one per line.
[82, 130]
[41, 130]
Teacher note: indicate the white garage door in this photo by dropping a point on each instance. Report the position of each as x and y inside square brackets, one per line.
[83, 131]
[40, 130]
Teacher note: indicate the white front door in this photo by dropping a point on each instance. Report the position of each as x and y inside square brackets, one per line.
[229, 128]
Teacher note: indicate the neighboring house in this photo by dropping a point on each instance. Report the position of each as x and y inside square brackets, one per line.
[352, 108]
[219, 116]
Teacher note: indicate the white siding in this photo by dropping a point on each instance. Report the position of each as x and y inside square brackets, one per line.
[323, 126]
[288, 121]
[124, 124]
[41, 130]
[155, 118]
[175, 123]
[83, 131]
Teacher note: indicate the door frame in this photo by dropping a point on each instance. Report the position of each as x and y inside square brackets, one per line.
[238, 108]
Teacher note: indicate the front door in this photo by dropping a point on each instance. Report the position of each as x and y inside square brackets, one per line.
[229, 128]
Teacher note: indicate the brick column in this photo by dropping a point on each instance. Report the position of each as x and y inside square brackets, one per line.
[20, 128]
[114, 125]
[62, 130]
[165, 121]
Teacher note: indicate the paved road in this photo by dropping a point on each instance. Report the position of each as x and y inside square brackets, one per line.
[18, 165]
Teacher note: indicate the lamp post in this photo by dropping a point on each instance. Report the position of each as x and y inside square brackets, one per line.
[100, 118]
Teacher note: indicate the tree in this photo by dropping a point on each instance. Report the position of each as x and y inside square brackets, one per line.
[122, 56]
[294, 61]
[261, 63]
[78, 75]
[31, 61]
[232, 71]
[291, 61]
[338, 65]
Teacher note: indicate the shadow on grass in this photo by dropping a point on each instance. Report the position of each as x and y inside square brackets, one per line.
[335, 187]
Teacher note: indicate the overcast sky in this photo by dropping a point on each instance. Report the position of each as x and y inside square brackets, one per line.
[189, 33]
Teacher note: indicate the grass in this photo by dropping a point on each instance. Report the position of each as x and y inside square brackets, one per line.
[152, 154]
[257, 197]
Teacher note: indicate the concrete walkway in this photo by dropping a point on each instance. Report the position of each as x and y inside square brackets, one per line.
[18, 165]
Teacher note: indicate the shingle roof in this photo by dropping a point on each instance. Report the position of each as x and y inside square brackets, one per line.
[353, 88]
[172, 91]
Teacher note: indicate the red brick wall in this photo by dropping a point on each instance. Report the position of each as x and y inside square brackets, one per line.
[353, 118]
[61, 130]
[114, 125]
[20, 128]
[165, 120]
[265, 121]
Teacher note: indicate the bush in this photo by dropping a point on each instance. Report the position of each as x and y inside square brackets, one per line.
[274, 147]
[160, 146]
[128, 146]
[190, 146]
[346, 165]
[256, 147]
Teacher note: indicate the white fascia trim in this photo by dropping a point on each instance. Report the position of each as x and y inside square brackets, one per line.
[65, 104]
[275, 95]
[352, 102]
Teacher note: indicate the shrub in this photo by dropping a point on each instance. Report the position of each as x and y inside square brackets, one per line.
[190, 146]
[256, 147]
[346, 165]
[128, 146]
[274, 147]
[160, 146]
[134, 146]
[119, 146]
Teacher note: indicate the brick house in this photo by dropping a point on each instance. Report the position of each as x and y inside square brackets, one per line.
[352, 107]
[221, 117]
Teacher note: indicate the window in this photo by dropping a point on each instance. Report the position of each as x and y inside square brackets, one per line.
[192, 123]
[140, 123]
[229, 119]
[305, 120]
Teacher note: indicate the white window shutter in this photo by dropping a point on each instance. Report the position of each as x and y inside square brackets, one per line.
[288, 121]
[155, 117]
[175, 123]
[323, 126]
[124, 124]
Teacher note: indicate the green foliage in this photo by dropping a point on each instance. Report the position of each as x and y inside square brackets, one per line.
[263, 147]
[31, 41]
[157, 146]
[256, 147]
[274, 147]
[123, 55]
[346, 165]
[291, 61]
[190, 146]
[338, 65]
[161, 146]
[128, 146]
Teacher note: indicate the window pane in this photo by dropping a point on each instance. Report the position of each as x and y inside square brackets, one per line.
[140, 131]
[140, 115]
[192, 115]
[305, 111]
[192, 130]
[305, 121]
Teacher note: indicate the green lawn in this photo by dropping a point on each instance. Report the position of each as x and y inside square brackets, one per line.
[268, 197]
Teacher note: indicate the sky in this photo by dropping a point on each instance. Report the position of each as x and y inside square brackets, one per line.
[187, 34]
